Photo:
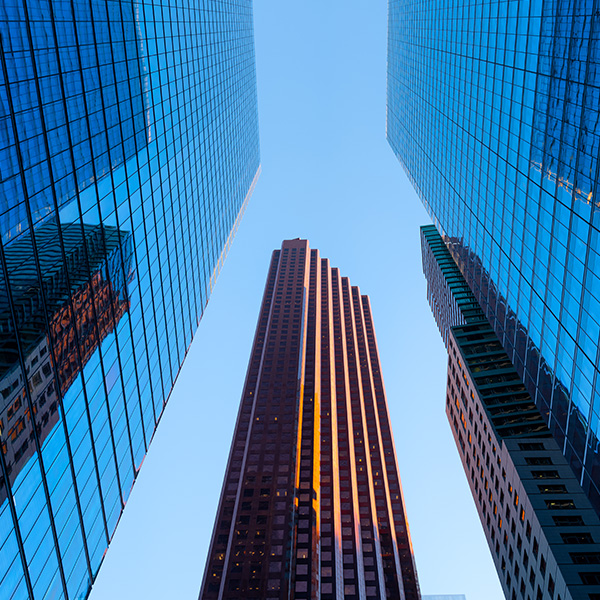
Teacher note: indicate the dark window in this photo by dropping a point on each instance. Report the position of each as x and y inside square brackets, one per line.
[577, 538]
[531, 446]
[585, 558]
[590, 578]
[545, 474]
[568, 520]
[560, 504]
[538, 460]
[548, 488]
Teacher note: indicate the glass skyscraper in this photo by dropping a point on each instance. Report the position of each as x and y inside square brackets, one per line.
[128, 150]
[493, 110]
[543, 533]
[311, 505]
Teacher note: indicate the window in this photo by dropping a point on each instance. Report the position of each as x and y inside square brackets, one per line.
[531, 446]
[538, 460]
[585, 558]
[560, 504]
[568, 520]
[590, 578]
[544, 474]
[548, 488]
[577, 538]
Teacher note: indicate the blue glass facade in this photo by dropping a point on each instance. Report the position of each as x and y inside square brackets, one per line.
[128, 150]
[530, 502]
[493, 110]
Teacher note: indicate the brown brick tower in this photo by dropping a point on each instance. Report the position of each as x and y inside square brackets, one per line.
[311, 505]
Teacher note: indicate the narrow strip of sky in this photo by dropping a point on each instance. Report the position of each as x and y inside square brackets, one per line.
[328, 176]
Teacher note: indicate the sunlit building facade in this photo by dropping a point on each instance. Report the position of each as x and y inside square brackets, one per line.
[311, 505]
[494, 112]
[128, 151]
[543, 533]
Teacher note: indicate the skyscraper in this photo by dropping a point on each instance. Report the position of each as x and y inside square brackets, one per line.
[494, 111]
[128, 151]
[311, 505]
[543, 533]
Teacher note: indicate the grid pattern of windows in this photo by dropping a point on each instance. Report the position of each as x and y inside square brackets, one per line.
[493, 109]
[449, 295]
[534, 525]
[311, 505]
[530, 503]
[128, 150]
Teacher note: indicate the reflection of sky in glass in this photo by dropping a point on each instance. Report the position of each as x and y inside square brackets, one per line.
[128, 148]
[501, 139]
[53, 117]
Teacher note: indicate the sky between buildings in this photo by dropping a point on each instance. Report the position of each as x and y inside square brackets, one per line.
[328, 176]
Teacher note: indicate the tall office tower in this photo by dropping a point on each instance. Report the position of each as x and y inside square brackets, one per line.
[494, 111]
[128, 150]
[543, 532]
[311, 505]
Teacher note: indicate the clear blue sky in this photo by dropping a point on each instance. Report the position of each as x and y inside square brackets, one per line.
[329, 176]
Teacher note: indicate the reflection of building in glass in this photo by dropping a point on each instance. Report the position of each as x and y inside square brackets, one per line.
[53, 361]
[542, 530]
[495, 114]
[566, 126]
[311, 505]
[549, 394]
[120, 119]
